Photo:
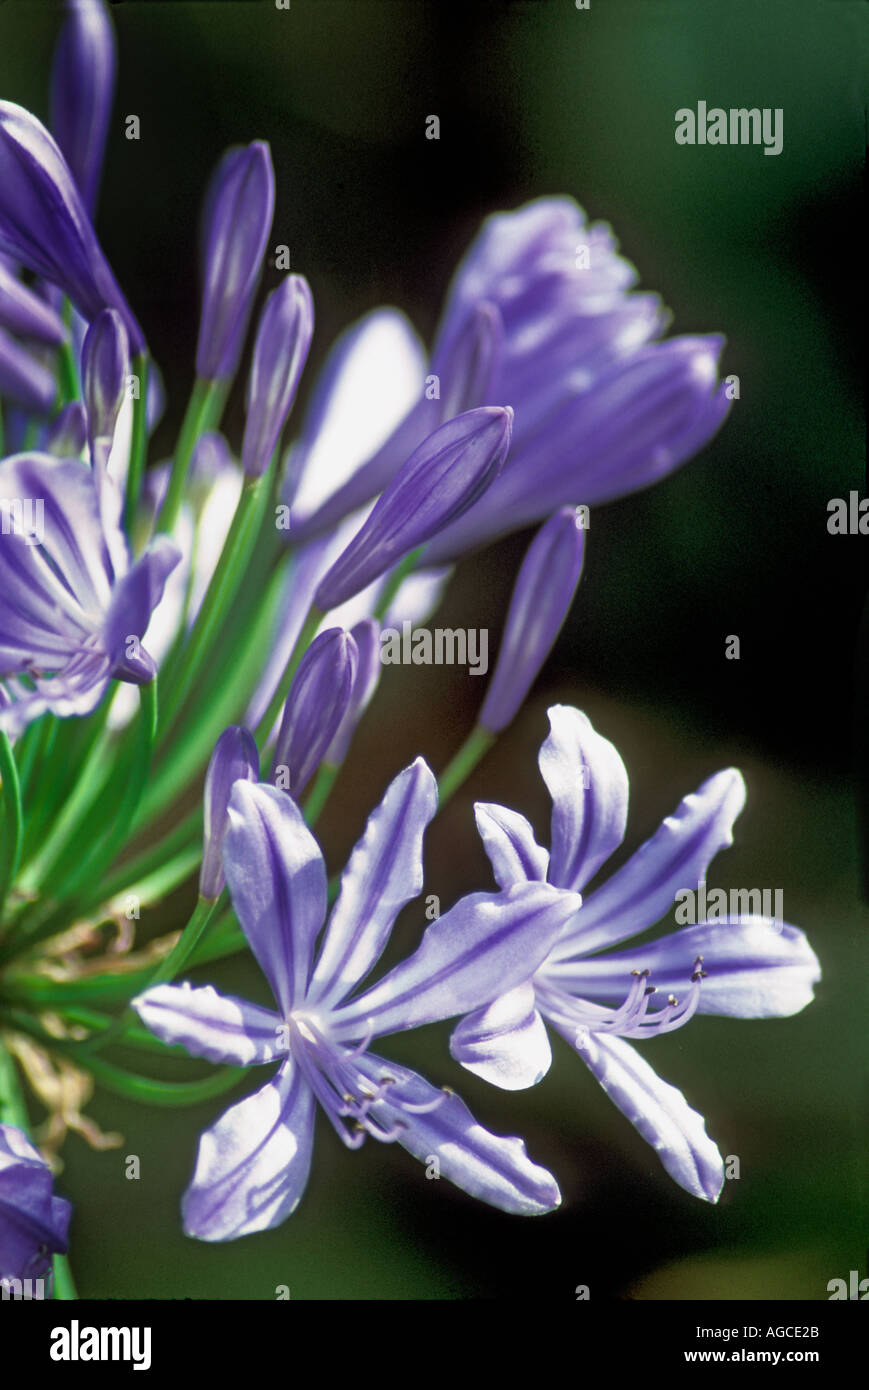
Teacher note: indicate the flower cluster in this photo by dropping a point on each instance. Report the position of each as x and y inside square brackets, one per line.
[251, 583]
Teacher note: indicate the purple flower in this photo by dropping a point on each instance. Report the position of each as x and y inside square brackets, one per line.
[33, 1222]
[601, 409]
[72, 608]
[23, 312]
[45, 225]
[542, 595]
[82, 90]
[105, 362]
[743, 966]
[237, 219]
[444, 477]
[253, 1164]
[279, 355]
[320, 697]
[23, 380]
[235, 757]
[366, 635]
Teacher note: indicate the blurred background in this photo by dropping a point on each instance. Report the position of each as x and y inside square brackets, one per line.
[536, 97]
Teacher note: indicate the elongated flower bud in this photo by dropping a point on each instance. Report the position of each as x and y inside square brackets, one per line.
[445, 476]
[237, 219]
[44, 223]
[22, 311]
[105, 362]
[281, 349]
[67, 435]
[82, 91]
[319, 699]
[542, 595]
[24, 380]
[235, 758]
[366, 635]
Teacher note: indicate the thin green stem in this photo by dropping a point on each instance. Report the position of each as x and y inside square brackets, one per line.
[138, 442]
[64, 1287]
[394, 580]
[460, 767]
[10, 846]
[203, 410]
[13, 1110]
[221, 591]
[320, 792]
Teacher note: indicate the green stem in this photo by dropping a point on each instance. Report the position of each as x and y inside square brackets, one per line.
[199, 919]
[222, 589]
[319, 794]
[203, 410]
[10, 848]
[460, 767]
[70, 386]
[13, 1110]
[303, 641]
[394, 580]
[135, 775]
[138, 442]
[64, 1287]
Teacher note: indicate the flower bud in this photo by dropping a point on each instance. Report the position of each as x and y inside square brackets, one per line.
[445, 476]
[237, 219]
[542, 595]
[280, 351]
[366, 635]
[35, 1222]
[44, 223]
[105, 363]
[235, 758]
[320, 696]
[82, 91]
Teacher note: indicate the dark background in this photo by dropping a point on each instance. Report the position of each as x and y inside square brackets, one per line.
[535, 97]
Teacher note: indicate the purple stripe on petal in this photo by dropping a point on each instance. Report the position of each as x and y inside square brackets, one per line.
[509, 842]
[253, 1164]
[383, 873]
[212, 1025]
[494, 1169]
[754, 967]
[482, 947]
[277, 880]
[506, 1043]
[589, 788]
[658, 1110]
[676, 857]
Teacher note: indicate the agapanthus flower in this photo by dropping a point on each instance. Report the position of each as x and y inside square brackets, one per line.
[44, 223]
[236, 222]
[33, 1222]
[744, 966]
[602, 408]
[253, 1164]
[82, 91]
[319, 701]
[74, 606]
[24, 313]
[24, 380]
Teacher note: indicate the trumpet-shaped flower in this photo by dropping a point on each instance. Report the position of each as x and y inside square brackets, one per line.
[253, 1164]
[745, 966]
[33, 1222]
[72, 607]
